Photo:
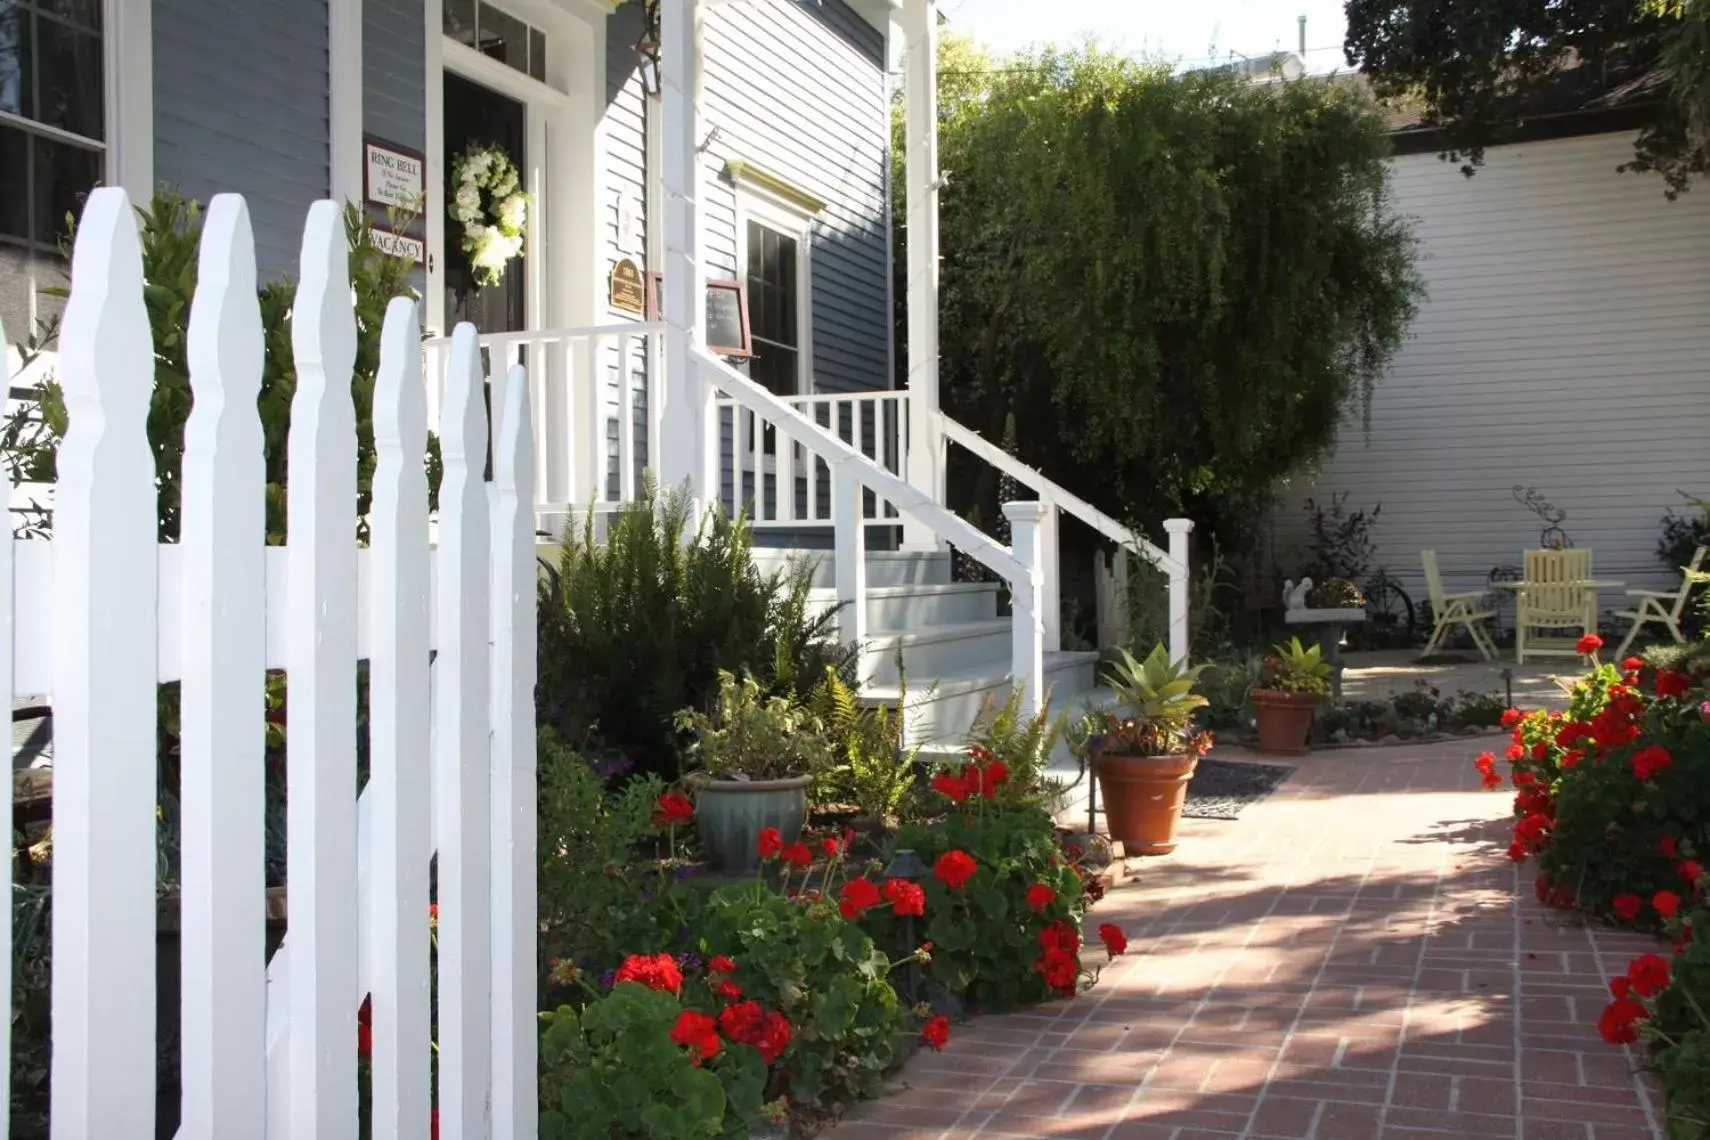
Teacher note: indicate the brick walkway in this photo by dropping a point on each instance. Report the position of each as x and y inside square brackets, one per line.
[1354, 959]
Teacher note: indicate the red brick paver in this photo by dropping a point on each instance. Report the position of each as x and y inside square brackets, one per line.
[1354, 959]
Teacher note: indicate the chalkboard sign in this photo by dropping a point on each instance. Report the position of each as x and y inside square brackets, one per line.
[727, 331]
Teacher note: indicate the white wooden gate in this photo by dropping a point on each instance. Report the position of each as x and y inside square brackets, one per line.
[103, 613]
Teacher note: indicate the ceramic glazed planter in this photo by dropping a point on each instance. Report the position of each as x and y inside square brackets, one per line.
[730, 814]
[1285, 720]
[1143, 798]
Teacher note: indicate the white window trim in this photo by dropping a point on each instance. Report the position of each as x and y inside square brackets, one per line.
[129, 95]
[344, 100]
[782, 216]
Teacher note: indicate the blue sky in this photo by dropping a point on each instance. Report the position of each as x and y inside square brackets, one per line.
[1190, 31]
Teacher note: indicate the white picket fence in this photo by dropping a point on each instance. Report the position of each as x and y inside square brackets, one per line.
[103, 613]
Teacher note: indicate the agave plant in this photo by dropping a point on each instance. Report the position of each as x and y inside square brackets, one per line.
[1295, 668]
[1155, 706]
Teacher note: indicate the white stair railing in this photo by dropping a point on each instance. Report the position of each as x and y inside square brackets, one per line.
[1053, 499]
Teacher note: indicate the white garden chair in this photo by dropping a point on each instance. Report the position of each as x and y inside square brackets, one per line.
[1555, 604]
[1454, 609]
[1661, 608]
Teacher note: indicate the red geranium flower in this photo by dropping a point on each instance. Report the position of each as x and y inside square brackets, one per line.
[1040, 896]
[1618, 1025]
[906, 898]
[991, 777]
[675, 808]
[698, 1032]
[1517, 851]
[1691, 870]
[1486, 765]
[1666, 903]
[1668, 846]
[953, 785]
[719, 964]
[1511, 717]
[1515, 753]
[1650, 761]
[832, 848]
[1588, 645]
[1059, 969]
[655, 971]
[798, 855]
[936, 1032]
[771, 843]
[774, 1036]
[1632, 664]
[1115, 941]
[954, 869]
[1572, 733]
[727, 989]
[1627, 907]
[1648, 974]
[856, 897]
[1620, 987]
[1672, 683]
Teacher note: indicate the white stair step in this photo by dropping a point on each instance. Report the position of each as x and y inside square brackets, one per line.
[909, 607]
[930, 652]
[884, 567]
[942, 707]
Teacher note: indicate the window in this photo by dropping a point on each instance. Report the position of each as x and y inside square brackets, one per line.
[52, 133]
[496, 34]
[774, 309]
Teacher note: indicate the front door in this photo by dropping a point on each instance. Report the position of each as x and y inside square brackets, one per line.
[479, 116]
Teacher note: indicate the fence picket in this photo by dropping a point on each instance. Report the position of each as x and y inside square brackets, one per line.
[321, 718]
[398, 713]
[515, 1104]
[223, 791]
[461, 766]
[104, 693]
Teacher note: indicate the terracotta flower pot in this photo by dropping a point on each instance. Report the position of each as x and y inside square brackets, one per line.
[1285, 720]
[1143, 798]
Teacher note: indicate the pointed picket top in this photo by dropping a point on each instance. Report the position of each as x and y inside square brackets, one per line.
[399, 765]
[515, 1064]
[222, 542]
[106, 650]
[321, 659]
[462, 786]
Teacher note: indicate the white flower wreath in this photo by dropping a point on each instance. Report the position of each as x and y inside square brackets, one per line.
[492, 208]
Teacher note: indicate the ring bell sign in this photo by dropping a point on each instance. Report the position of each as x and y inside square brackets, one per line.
[392, 175]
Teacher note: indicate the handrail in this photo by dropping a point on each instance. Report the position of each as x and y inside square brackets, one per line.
[1053, 493]
[528, 336]
[945, 523]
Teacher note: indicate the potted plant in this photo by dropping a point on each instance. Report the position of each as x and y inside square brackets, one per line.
[1291, 683]
[757, 757]
[1144, 750]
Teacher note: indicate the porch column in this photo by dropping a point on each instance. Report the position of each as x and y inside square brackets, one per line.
[925, 443]
[683, 422]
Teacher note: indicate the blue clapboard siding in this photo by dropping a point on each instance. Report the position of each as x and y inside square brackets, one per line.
[240, 104]
[798, 88]
[394, 72]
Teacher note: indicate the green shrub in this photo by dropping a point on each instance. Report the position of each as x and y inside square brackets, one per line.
[1667, 1004]
[613, 1072]
[638, 626]
[824, 974]
[870, 767]
[990, 941]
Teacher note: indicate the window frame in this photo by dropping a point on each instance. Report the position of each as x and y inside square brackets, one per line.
[786, 219]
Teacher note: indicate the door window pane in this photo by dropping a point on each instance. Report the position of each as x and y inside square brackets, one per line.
[772, 314]
[68, 79]
[16, 74]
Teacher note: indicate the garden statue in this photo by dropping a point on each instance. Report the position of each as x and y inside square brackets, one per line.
[1294, 596]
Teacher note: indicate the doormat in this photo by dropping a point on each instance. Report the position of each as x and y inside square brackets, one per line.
[1220, 789]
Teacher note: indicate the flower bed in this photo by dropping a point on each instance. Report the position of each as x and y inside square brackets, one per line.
[1612, 798]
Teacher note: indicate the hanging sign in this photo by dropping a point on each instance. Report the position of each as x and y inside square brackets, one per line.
[392, 175]
[727, 331]
[395, 244]
[626, 291]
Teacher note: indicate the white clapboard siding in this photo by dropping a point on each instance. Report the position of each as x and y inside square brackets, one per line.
[1563, 346]
[104, 693]
[399, 765]
[461, 770]
[224, 623]
[103, 612]
[515, 1041]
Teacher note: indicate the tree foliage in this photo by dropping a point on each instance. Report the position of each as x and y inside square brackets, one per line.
[1476, 68]
[1177, 284]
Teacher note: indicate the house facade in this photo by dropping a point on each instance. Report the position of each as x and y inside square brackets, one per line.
[1560, 356]
[297, 100]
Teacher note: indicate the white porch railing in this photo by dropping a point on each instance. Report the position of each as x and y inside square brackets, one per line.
[762, 461]
[593, 403]
[102, 614]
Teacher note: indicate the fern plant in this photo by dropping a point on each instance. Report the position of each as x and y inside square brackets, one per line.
[872, 769]
[1022, 742]
[639, 625]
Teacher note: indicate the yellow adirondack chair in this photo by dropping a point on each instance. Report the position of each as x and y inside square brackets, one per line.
[1454, 609]
[1662, 608]
[1554, 605]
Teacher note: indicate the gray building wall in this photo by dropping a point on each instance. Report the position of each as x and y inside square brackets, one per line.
[240, 104]
[394, 72]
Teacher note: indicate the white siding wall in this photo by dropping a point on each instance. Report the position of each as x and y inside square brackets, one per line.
[1565, 344]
